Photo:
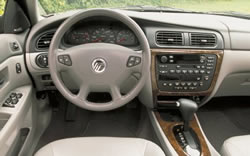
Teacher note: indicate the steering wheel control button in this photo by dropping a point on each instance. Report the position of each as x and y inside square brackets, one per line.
[60, 59]
[65, 59]
[99, 65]
[133, 61]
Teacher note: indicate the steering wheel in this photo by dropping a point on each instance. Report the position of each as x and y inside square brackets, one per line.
[99, 67]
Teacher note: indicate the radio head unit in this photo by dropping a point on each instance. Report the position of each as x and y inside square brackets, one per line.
[185, 72]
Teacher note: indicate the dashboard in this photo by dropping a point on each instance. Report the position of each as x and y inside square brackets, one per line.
[170, 35]
[100, 31]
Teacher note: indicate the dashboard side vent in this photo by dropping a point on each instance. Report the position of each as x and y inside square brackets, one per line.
[44, 40]
[167, 38]
[203, 39]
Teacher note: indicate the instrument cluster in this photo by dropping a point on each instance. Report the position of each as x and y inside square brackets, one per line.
[104, 32]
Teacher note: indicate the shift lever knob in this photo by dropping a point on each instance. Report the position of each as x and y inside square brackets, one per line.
[187, 109]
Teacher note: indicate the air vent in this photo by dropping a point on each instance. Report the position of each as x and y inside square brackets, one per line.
[166, 38]
[203, 39]
[44, 41]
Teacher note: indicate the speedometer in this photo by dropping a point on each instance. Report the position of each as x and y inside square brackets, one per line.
[126, 38]
[103, 35]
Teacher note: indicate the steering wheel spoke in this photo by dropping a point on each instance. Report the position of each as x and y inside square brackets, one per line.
[83, 92]
[115, 92]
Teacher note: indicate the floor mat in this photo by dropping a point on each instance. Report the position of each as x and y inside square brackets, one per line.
[108, 128]
[122, 122]
[223, 118]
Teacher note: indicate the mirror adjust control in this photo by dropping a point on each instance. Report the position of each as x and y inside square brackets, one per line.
[18, 68]
[133, 61]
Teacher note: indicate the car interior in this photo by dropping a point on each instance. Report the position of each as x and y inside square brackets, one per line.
[132, 81]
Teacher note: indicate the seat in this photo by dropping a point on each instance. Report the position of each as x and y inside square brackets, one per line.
[235, 146]
[101, 146]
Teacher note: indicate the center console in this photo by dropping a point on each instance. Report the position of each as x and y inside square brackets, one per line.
[181, 80]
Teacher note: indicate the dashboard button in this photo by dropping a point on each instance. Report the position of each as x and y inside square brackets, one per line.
[206, 78]
[178, 71]
[177, 83]
[172, 71]
[164, 84]
[195, 83]
[202, 71]
[183, 83]
[196, 71]
[190, 71]
[210, 61]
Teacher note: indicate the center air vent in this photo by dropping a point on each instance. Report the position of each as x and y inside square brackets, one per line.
[203, 39]
[44, 41]
[166, 38]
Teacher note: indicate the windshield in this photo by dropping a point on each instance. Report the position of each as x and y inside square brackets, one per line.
[208, 6]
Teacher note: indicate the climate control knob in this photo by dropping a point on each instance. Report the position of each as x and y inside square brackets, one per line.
[164, 59]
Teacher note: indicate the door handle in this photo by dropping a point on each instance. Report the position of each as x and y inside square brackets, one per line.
[1, 81]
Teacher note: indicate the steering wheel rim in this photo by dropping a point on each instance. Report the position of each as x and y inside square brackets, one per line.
[74, 53]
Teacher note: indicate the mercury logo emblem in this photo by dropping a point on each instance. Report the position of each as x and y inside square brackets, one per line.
[99, 65]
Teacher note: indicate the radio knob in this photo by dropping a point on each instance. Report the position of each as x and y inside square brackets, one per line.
[164, 59]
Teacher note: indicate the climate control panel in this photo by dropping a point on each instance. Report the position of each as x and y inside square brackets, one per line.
[185, 72]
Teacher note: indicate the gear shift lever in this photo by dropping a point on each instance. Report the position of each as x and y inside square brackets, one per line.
[187, 108]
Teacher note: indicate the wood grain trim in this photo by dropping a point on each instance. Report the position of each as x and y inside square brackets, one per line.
[156, 91]
[167, 128]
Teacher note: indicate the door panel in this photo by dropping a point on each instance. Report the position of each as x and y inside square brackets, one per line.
[13, 79]
[10, 78]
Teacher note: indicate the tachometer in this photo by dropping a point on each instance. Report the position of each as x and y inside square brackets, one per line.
[79, 37]
[126, 38]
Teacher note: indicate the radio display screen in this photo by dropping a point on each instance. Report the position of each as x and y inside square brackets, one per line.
[187, 59]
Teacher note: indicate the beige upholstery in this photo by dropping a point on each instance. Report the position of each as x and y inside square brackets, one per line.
[101, 146]
[236, 146]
